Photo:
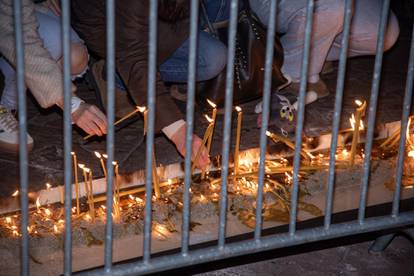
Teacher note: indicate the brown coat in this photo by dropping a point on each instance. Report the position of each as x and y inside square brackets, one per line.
[132, 30]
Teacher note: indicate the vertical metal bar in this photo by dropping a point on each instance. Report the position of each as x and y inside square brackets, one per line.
[234, 9]
[152, 71]
[110, 77]
[267, 86]
[338, 110]
[192, 67]
[301, 115]
[23, 153]
[404, 124]
[67, 93]
[373, 109]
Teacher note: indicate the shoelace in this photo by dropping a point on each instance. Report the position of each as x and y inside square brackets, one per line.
[7, 120]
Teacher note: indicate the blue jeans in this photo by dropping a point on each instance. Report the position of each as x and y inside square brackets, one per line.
[211, 52]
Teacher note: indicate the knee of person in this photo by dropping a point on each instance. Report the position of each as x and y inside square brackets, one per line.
[215, 61]
[392, 32]
[331, 13]
[79, 58]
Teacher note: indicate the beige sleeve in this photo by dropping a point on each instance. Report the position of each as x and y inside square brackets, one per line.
[42, 74]
[171, 129]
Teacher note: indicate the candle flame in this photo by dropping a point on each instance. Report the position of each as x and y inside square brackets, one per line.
[139, 200]
[38, 202]
[48, 186]
[208, 119]
[8, 219]
[55, 229]
[114, 163]
[141, 109]
[268, 133]
[48, 212]
[411, 154]
[105, 156]
[352, 120]
[16, 193]
[81, 166]
[202, 198]
[72, 153]
[211, 103]
[169, 181]
[238, 108]
[358, 103]
[87, 170]
[97, 154]
[103, 207]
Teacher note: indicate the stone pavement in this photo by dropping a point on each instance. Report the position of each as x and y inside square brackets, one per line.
[347, 260]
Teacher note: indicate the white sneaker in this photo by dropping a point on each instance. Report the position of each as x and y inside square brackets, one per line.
[9, 132]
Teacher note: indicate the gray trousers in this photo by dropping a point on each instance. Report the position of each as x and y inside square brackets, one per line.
[326, 31]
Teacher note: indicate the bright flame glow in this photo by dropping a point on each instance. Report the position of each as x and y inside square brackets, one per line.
[213, 105]
[105, 155]
[208, 119]
[268, 133]
[352, 121]
[97, 154]
[48, 186]
[16, 193]
[411, 154]
[114, 163]
[72, 153]
[141, 109]
[81, 166]
[203, 198]
[358, 103]
[48, 212]
[38, 202]
[238, 108]
[55, 229]
[8, 219]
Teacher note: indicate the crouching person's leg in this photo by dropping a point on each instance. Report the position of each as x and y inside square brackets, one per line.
[211, 59]
[364, 30]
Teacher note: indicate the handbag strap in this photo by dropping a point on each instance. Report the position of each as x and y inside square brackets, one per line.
[204, 17]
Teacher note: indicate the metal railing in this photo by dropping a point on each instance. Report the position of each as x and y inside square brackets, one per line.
[190, 257]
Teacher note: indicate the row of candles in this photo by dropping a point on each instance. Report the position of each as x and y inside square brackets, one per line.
[356, 123]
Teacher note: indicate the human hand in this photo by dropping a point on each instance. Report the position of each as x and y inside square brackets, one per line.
[179, 140]
[90, 119]
[54, 6]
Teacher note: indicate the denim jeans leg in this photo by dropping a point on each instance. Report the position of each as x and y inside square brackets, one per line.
[211, 60]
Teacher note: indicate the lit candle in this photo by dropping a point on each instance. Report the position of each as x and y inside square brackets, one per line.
[97, 154]
[117, 184]
[75, 172]
[136, 110]
[144, 112]
[155, 180]
[91, 203]
[205, 138]
[360, 111]
[238, 133]
[213, 122]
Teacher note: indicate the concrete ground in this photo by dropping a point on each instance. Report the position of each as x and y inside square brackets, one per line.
[351, 259]
[46, 159]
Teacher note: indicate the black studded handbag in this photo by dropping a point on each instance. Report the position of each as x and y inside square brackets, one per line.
[249, 61]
